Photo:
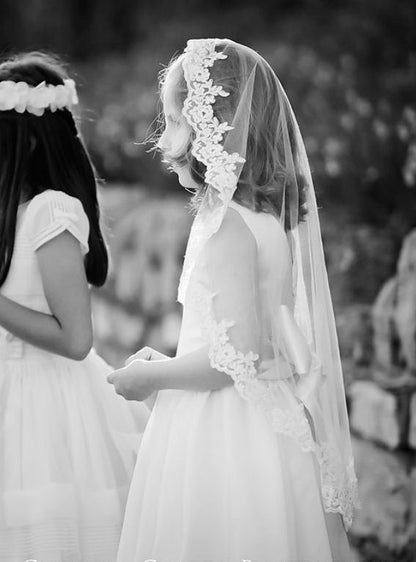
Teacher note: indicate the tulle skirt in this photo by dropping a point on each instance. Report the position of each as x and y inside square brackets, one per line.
[214, 483]
[68, 446]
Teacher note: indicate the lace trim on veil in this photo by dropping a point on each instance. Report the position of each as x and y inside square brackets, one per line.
[207, 148]
[198, 110]
[338, 482]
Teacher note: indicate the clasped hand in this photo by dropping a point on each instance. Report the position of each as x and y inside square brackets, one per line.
[136, 381]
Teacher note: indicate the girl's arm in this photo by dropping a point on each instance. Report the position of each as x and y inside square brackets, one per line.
[188, 372]
[233, 327]
[193, 372]
[67, 330]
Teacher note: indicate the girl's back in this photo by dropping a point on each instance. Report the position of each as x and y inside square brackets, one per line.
[67, 443]
[37, 220]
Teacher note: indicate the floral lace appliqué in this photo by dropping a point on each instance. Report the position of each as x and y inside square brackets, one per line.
[338, 481]
[224, 357]
[221, 174]
[242, 369]
[199, 112]
[339, 485]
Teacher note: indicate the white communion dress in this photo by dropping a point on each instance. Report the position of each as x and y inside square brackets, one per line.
[215, 481]
[68, 443]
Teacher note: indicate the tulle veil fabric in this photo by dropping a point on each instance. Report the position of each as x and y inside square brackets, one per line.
[304, 332]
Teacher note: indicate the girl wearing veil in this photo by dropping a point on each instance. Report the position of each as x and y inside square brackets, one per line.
[247, 453]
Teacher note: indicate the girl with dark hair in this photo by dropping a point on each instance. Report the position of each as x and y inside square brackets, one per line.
[67, 444]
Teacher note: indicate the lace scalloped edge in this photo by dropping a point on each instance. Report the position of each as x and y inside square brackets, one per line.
[338, 484]
[198, 110]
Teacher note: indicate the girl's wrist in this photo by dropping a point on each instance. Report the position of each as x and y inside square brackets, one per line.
[157, 374]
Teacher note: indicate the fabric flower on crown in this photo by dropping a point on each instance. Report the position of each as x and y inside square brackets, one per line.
[39, 99]
[8, 95]
[60, 99]
[20, 93]
[21, 97]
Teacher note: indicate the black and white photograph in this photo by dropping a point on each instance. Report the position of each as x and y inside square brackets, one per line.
[208, 281]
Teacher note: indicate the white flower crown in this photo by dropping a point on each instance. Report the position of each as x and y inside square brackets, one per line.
[22, 97]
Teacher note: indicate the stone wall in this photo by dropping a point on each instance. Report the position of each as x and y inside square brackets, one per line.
[147, 240]
[383, 420]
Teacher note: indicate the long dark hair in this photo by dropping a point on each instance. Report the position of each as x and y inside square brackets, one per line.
[46, 152]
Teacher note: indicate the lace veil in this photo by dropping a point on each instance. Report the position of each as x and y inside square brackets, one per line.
[222, 102]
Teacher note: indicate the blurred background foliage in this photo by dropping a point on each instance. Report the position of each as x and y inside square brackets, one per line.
[349, 68]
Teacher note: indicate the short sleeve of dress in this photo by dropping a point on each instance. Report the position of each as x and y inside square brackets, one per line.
[52, 212]
[227, 295]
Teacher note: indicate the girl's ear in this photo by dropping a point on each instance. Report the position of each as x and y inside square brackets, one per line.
[32, 143]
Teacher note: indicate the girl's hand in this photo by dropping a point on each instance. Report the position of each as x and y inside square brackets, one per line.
[133, 382]
[146, 354]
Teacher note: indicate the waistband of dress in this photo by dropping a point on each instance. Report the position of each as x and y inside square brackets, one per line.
[13, 348]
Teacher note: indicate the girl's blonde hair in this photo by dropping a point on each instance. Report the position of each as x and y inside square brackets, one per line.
[263, 183]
